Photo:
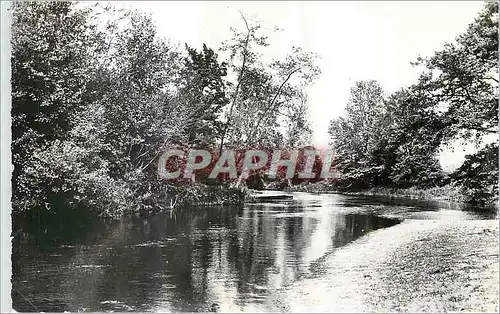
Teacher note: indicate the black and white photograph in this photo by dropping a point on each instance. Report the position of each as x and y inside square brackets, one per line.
[249, 156]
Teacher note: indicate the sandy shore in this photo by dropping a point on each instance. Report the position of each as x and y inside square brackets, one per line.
[439, 265]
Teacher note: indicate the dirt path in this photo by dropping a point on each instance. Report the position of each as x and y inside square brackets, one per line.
[417, 266]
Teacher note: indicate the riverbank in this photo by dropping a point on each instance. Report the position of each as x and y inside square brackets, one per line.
[416, 266]
[448, 194]
[67, 218]
[445, 193]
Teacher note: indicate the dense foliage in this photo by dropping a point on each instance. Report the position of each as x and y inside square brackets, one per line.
[394, 140]
[97, 95]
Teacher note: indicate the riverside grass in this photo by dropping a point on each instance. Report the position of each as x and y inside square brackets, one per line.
[447, 193]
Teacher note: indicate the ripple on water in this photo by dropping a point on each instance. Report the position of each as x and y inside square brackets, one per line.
[236, 256]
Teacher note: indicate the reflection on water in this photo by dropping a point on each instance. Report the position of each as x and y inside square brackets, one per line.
[227, 259]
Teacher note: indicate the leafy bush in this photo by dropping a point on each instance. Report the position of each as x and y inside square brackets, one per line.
[478, 176]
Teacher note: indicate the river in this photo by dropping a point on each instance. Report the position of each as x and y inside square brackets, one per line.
[212, 259]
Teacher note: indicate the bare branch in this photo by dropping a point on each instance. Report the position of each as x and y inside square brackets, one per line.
[240, 76]
[273, 102]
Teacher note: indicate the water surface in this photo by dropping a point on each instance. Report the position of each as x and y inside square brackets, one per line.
[229, 258]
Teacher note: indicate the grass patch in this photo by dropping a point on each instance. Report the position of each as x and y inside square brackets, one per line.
[444, 193]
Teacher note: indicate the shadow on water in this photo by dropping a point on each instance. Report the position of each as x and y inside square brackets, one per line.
[192, 260]
[416, 206]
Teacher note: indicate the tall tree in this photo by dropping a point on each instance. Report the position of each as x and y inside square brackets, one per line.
[53, 60]
[412, 139]
[463, 78]
[355, 137]
[389, 142]
[202, 92]
[265, 96]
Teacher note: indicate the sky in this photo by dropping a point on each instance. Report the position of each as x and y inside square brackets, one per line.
[356, 40]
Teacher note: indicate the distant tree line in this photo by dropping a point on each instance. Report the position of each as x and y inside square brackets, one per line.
[394, 140]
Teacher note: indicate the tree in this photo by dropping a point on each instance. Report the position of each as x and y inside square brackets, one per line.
[91, 109]
[413, 139]
[299, 131]
[394, 141]
[387, 142]
[202, 92]
[265, 97]
[53, 59]
[287, 100]
[463, 78]
[356, 136]
[478, 176]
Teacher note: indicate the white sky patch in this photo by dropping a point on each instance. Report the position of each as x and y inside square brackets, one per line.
[356, 40]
